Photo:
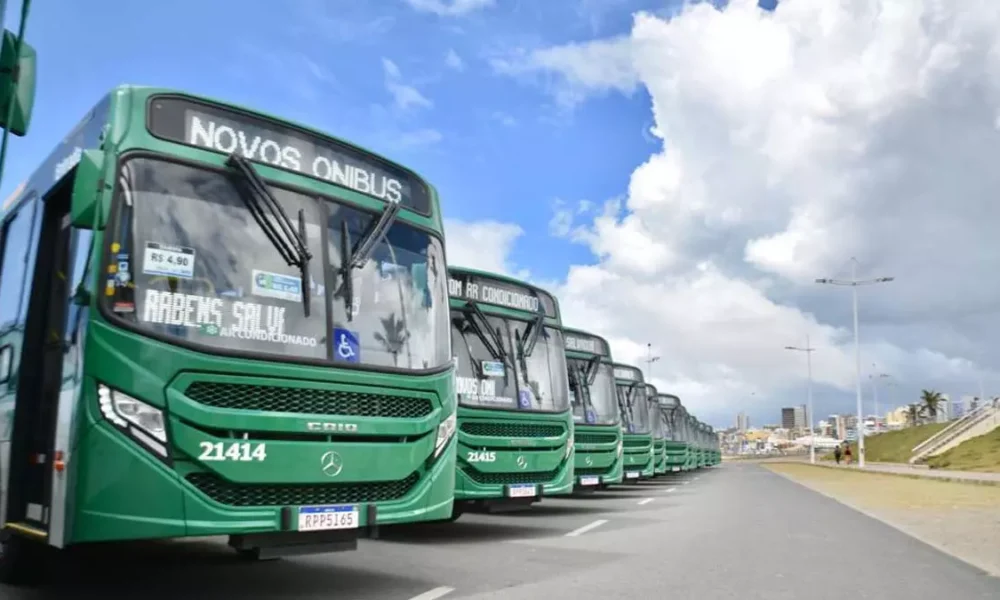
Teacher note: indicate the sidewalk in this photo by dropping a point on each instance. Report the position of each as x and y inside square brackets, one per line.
[923, 472]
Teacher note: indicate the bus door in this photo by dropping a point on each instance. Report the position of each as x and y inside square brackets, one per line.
[40, 378]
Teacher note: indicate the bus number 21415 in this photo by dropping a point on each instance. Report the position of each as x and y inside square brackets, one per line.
[239, 451]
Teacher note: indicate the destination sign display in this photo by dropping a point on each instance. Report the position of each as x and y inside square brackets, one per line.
[628, 373]
[268, 142]
[668, 401]
[500, 293]
[650, 390]
[585, 343]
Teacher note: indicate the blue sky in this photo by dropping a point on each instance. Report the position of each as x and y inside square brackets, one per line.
[494, 148]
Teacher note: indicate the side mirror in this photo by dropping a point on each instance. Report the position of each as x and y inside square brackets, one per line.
[17, 84]
[87, 189]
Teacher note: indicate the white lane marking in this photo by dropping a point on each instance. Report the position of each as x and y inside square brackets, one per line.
[668, 490]
[646, 501]
[685, 482]
[695, 479]
[435, 593]
[587, 528]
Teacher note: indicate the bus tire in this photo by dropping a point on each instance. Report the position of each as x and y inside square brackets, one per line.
[20, 560]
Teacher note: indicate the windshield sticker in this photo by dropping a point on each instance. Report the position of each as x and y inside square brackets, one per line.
[276, 285]
[493, 368]
[346, 345]
[484, 390]
[169, 261]
[109, 287]
[212, 316]
[234, 293]
[591, 416]
[524, 399]
[123, 307]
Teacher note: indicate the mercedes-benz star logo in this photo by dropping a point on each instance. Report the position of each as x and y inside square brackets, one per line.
[331, 463]
[522, 462]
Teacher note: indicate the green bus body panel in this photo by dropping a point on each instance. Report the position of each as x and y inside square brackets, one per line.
[545, 459]
[659, 453]
[676, 454]
[637, 455]
[599, 459]
[123, 491]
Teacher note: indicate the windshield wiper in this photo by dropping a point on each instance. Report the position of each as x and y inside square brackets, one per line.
[530, 338]
[493, 343]
[591, 369]
[355, 257]
[290, 244]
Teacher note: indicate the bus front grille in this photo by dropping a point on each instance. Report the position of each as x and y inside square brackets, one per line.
[633, 442]
[595, 438]
[508, 478]
[242, 396]
[512, 430]
[252, 494]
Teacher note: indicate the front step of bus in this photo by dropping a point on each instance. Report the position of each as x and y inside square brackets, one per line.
[269, 546]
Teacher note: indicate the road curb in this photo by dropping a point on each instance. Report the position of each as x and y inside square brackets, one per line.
[909, 475]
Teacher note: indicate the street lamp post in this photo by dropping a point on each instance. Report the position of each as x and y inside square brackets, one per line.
[854, 282]
[650, 359]
[874, 379]
[809, 396]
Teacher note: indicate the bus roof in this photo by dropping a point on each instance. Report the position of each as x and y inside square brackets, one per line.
[581, 342]
[500, 290]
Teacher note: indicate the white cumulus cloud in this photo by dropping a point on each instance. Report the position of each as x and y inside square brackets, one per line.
[791, 141]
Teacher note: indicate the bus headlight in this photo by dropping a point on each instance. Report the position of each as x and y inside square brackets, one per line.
[445, 430]
[621, 447]
[142, 421]
[569, 446]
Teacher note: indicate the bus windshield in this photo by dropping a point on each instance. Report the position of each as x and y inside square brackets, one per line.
[593, 403]
[187, 260]
[491, 375]
[635, 407]
[659, 420]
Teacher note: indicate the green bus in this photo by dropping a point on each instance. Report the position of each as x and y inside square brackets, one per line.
[713, 443]
[675, 449]
[515, 427]
[597, 430]
[228, 324]
[637, 423]
[659, 427]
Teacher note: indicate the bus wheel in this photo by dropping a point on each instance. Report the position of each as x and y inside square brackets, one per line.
[20, 560]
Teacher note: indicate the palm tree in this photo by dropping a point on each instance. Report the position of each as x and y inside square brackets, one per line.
[395, 336]
[931, 400]
[913, 414]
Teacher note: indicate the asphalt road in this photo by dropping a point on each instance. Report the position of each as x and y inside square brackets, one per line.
[736, 531]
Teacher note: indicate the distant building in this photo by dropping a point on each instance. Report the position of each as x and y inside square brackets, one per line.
[800, 417]
[788, 418]
[742, 421]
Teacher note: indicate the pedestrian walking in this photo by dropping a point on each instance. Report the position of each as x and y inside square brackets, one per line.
[847, 453]
[836, 454]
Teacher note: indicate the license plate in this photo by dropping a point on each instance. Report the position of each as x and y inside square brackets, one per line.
[632, 475]
[523, 490]
[590, 481]
[675, 469]
[322, 518]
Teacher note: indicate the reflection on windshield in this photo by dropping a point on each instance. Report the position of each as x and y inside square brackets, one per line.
[597, 403]
[488, 381]
[187, 260]
[399, 313]
[636, 407]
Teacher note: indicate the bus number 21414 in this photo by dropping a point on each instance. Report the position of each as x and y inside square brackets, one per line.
[238, 451]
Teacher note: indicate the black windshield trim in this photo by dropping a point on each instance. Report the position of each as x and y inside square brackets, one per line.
[115, 320]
